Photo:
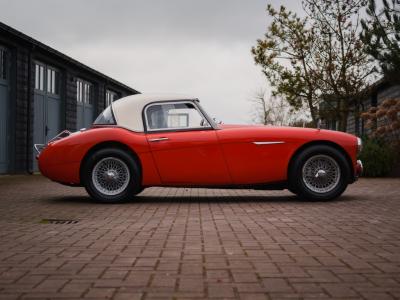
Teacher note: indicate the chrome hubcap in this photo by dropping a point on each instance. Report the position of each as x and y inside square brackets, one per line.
[321, 173]
[110, 176]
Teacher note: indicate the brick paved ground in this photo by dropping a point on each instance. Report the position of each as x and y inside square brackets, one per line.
[194, 243]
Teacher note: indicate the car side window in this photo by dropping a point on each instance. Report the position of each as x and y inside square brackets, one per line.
[177, 115]
[105, 118]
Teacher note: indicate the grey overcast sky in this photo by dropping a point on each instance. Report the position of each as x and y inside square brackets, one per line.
[196, 47]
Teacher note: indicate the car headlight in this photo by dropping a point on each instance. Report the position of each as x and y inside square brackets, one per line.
[359, 145]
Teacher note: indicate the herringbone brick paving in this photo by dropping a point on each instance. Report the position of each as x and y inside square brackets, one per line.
[196, 243]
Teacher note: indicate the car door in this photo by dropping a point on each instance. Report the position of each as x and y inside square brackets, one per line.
[184, 145]
[255, 154]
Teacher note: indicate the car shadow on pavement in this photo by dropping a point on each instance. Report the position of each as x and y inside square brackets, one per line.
[142, 199]
[214, 199]
[231, 199]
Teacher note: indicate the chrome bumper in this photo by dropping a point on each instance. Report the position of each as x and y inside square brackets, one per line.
[359, 169]
[39, 148]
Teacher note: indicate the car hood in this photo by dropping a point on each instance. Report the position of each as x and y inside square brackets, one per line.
[258, 131]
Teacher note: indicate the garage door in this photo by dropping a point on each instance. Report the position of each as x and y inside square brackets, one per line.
[47, 105]
[4, 107]
[85, 107]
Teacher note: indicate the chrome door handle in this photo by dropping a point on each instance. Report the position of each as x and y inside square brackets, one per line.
[158, 139]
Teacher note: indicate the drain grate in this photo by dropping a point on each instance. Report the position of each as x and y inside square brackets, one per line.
[58, 221]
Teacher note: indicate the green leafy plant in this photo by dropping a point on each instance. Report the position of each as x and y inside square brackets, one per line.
[319, 57]
[381, 35]
[378, 157]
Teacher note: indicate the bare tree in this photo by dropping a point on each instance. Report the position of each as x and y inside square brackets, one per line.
[285, 55]
[273, 110]
[345, 68]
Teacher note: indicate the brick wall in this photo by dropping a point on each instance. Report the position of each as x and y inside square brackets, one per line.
[70, 102]
[22, 113]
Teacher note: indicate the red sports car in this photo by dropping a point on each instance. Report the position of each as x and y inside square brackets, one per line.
[168, 140]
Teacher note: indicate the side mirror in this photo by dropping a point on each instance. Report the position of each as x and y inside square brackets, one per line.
[218, 122]
[322, 124]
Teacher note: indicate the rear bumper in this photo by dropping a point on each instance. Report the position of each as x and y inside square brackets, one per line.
[39, 148]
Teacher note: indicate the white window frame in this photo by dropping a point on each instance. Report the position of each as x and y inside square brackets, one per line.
[179, 115]
[40, 77]
[47, 78]
[110, 99]
[84, 92]
[53, 81]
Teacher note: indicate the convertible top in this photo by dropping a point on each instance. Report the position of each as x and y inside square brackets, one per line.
[128, 110]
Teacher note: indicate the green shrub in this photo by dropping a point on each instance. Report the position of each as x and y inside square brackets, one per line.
[378, 157]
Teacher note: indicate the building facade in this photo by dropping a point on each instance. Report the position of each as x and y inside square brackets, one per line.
[375, 95]
[42, 92]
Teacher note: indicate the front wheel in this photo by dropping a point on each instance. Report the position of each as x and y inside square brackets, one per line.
[111, 175]
[319, 173]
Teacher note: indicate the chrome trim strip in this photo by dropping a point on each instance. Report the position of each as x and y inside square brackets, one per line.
[39, 147]
[268, 143]
[61, 135]
[159, 139]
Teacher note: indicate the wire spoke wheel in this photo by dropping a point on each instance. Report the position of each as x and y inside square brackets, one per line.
[321, 173]
[110, 176]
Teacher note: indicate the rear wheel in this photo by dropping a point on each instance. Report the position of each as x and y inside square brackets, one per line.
[319, 172]
[111, 175]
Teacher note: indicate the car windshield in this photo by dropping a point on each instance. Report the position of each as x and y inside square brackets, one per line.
[209, 119]
[105, 118]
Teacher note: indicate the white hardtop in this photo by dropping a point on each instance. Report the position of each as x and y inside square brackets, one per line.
[128, 110]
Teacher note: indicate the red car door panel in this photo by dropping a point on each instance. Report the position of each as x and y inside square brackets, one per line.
[189, 157]
[251, 163]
